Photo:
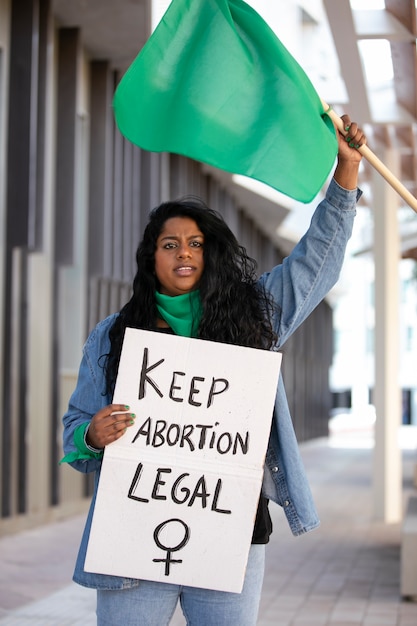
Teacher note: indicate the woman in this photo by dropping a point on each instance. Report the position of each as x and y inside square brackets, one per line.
[194, 279]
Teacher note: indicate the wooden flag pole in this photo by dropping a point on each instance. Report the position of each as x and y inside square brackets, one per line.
[375, 162]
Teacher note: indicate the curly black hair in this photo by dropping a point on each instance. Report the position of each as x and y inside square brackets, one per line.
[234, 309]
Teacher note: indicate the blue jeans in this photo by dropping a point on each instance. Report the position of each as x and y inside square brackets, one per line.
[153, 603]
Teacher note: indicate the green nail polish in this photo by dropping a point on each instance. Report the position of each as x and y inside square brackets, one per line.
[131, 422]
[347, 127]
[347, 138]
[127, 407]
[351, 144]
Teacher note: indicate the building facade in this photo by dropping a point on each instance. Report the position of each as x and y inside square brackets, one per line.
[74, 197]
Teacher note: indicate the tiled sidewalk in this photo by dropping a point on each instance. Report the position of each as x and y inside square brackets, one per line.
[346, 573]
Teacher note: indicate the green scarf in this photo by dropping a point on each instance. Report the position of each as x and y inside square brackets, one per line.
[181, 313]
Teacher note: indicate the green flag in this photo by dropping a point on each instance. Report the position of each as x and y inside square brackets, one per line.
[214, 83]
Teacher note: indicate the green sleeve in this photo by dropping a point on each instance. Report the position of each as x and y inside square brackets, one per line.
[83, 451]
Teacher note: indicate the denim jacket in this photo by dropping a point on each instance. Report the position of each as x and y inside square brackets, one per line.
[297, 286]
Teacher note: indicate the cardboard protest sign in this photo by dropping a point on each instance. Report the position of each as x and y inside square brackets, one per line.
[178, 492]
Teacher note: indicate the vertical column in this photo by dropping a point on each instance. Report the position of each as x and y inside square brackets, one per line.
[4, 76]
[41, 439]
[101, 184]
[387, 458]
[66, 294]
[68, 62]
[20, 211]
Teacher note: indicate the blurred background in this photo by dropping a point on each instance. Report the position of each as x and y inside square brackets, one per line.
[74, 197]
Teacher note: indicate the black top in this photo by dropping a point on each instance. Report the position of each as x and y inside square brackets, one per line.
[263, 523]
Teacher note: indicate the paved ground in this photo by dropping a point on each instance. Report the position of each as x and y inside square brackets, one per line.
[346, 573]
